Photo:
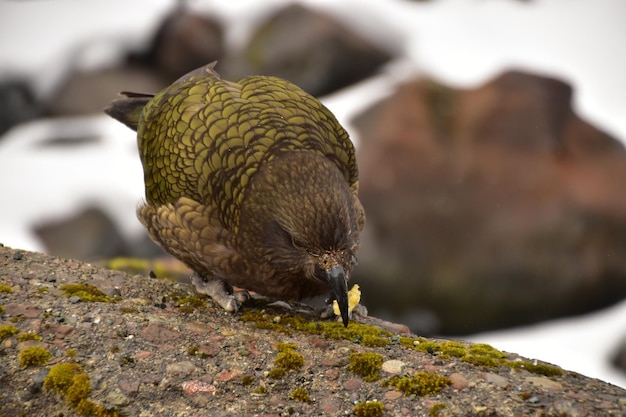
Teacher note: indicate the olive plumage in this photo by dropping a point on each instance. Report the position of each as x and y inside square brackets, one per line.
[251, 184]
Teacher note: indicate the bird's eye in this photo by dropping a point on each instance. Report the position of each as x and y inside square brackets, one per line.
[297, 244]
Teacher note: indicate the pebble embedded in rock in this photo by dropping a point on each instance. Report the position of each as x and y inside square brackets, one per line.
[393, 366]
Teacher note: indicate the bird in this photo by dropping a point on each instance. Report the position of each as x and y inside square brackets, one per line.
[252, 184]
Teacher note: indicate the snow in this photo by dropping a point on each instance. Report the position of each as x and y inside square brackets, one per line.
[459, 42]
[583, 344]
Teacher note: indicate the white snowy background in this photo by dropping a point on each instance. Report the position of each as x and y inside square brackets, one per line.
[460, 42]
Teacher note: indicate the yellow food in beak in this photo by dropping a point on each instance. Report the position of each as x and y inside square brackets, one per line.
[354, 297]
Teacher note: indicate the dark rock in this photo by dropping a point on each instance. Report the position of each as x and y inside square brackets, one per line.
[184, 41]
[90, 92]
[490, 207]
[89, 235]
[17, 103]
[619, 358]
[308, 48]
[92, 235]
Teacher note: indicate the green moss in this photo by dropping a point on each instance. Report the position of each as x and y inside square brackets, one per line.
[369, 409]
[421, 383]
[374, 341]
[70, 353]
[61, 376]
[436, 409]
[192, 301]
[260, 390]
[33, 356]
[43, 290]
[163, 270]
[247, 380]
[300, 394]
[355, 332]
[22, 337]
[289, 360]
[367, 365]
[282, 347]
[128, 310]
[89, 408]
[276, 373]
[6, 288]
[7, 331]
[1, 309]
[78, 390]
[86, 292]
[69, 380]
[536, 368]
[479, 354]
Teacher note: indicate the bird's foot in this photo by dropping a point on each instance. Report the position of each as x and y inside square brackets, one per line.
[220, 291]
[242, 295]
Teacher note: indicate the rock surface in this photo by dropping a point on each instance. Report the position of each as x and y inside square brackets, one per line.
[309, 48]
[490, 207]
[149, 347]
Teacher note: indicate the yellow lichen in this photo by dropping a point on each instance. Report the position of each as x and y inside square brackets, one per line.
[369, 409]
[33, 356]
[367, 365]
[421, 383]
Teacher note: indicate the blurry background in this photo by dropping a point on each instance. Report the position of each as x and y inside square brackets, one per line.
[490, 139]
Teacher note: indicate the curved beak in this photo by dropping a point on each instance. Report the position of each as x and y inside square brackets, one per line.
[337, 282]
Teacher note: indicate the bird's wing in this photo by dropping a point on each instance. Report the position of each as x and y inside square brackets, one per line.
[188, 230]
[204, 137]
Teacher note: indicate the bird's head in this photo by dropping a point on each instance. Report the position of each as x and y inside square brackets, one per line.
[308, 222]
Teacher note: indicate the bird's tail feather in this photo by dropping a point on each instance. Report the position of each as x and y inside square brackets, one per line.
[127, 109]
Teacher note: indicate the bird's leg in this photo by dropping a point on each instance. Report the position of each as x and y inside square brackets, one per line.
[220, 291]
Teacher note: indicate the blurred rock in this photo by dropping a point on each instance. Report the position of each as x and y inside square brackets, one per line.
[308, 48]
[17, 103]
[90, 92]
[491, 207]
[619, 358]
[183, 42]
[92, 235]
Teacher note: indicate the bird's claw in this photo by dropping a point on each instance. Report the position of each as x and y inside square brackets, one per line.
[242, 296]
[220, 291]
